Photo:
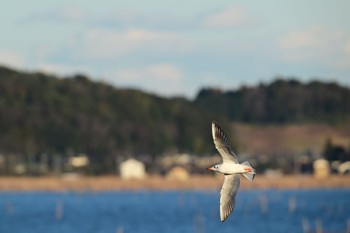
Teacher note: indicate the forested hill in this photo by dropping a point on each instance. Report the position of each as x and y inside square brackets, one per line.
[282, 101]
[42, 113]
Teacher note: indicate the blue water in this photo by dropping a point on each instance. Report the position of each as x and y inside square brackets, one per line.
[174, 211]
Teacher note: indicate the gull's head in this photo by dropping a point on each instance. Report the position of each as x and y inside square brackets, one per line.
[213, 168]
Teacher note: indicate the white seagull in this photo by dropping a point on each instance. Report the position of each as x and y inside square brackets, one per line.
[231, 169]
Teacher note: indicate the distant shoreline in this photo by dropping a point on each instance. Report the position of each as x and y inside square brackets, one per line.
[114, 183]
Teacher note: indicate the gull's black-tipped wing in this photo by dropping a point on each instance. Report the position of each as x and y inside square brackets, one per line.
[228, 195]
[222, 145]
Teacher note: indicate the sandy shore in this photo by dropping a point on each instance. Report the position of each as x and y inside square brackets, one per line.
[161, 183]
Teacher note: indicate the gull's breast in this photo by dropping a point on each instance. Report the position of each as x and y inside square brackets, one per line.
[230, 168]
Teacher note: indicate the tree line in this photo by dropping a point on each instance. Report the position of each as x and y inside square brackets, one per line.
[282, 101]
[41, 113]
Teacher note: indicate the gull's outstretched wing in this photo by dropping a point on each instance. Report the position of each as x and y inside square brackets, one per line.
[228, 195]
[221, 144]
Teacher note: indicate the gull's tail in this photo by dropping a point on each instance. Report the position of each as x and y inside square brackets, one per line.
[251, 174]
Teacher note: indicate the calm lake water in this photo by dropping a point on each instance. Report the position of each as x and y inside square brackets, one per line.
[270, 211]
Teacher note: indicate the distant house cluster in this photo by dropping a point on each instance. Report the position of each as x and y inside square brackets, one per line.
[178, 166]
[181, 166]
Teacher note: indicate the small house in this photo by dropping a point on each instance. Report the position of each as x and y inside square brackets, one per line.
[132, 169]
[178, 173]
[321, 168]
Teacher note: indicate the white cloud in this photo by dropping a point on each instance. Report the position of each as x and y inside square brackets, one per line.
[317, 45]
[156, 72]
[15, 61]
[168, 72]
[61, 69]
[347, 48]
[231, 17]
[132, 19]
[11, 59]
[108, 43]
[61, 14]
[165, 78]
[72, 13]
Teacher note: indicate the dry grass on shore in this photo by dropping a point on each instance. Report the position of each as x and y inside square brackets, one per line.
[160, 183]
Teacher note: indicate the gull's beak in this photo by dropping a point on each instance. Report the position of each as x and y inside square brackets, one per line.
[210, 169]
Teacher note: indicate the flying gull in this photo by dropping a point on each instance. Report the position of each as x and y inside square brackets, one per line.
[231, 169]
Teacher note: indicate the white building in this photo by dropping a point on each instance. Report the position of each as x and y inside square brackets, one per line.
[132, 169]
[178, 173]
[344, 167]
[78, 161]
[321, 168]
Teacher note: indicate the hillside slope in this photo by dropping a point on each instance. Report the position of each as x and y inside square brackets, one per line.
[296, 138]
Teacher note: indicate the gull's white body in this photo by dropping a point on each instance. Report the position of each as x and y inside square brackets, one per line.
[231, 169]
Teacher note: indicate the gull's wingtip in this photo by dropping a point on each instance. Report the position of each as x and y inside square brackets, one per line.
[223, 219]
[213, 128]
[214, 125]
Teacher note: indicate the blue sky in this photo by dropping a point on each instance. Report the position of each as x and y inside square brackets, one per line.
[178, 47]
